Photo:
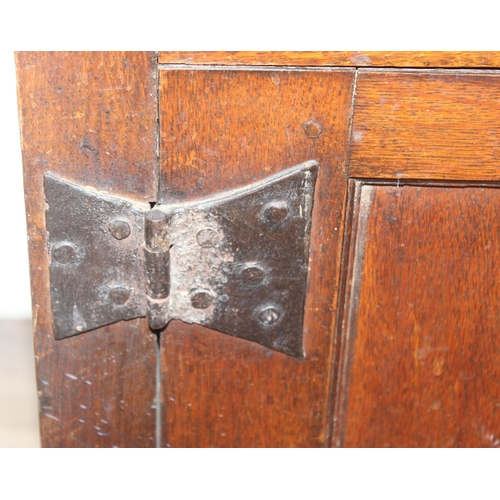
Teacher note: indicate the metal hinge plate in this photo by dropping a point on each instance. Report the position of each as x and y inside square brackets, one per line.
[236, 262]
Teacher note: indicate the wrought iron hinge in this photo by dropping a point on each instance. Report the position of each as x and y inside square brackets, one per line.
[236, 262]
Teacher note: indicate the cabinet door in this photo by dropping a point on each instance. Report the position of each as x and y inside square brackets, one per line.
[420, 362]
[224, 128]
[422, 325]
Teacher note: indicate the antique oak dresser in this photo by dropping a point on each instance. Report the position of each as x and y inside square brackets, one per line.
[247, 249]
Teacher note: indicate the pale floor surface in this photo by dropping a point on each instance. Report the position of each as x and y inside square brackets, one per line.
[18, 399]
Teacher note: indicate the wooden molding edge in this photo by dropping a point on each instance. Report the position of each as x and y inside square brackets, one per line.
[429, 59]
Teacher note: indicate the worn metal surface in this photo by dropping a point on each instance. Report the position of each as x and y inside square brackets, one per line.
[95, 278]
[236, 262]
[239, 261]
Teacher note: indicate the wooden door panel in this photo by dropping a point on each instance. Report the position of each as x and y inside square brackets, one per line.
[89, 117]
[422, 344]
[225, 128]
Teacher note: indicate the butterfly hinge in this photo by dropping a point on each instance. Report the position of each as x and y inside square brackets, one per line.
[236, 262]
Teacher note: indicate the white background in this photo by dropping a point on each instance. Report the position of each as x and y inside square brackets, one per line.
[14, 273]
[209, 25]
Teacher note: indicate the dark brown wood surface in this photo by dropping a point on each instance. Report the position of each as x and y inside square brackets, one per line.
[426, 125]
[221, 129]
[429, 59]
[422, 345]
[417, 358]
[91, 118]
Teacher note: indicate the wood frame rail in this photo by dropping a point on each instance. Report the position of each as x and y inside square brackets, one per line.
[429, 59]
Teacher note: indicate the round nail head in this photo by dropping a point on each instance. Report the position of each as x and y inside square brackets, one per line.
[252, 275]
[119, 229]
[207, 238]
[276, 212]
[119, 295]
[65, 253]
[201, 300]
[312, 129]
[269, 316]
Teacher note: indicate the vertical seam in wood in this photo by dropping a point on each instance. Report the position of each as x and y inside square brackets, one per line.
[353, 265]
[334, 359]
[158, 392]
[351, 121]
[159, 406]
[157, 132]
[339, 316]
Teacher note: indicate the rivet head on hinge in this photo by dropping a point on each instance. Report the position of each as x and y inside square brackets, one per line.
[268, 316]
[276, 212]
[119, 295]
[252, 275]
[65, 253]
[119, 229]
[207, 238]
[201, 300]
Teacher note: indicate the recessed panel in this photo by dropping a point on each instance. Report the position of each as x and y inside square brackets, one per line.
[421, 362]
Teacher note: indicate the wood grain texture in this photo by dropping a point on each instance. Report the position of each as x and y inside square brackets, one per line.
[221, 129]
[89, 117]
[426, 125]
[465, 59]
[423, 349]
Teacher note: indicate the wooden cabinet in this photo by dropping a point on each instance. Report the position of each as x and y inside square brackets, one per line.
[400, 318]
